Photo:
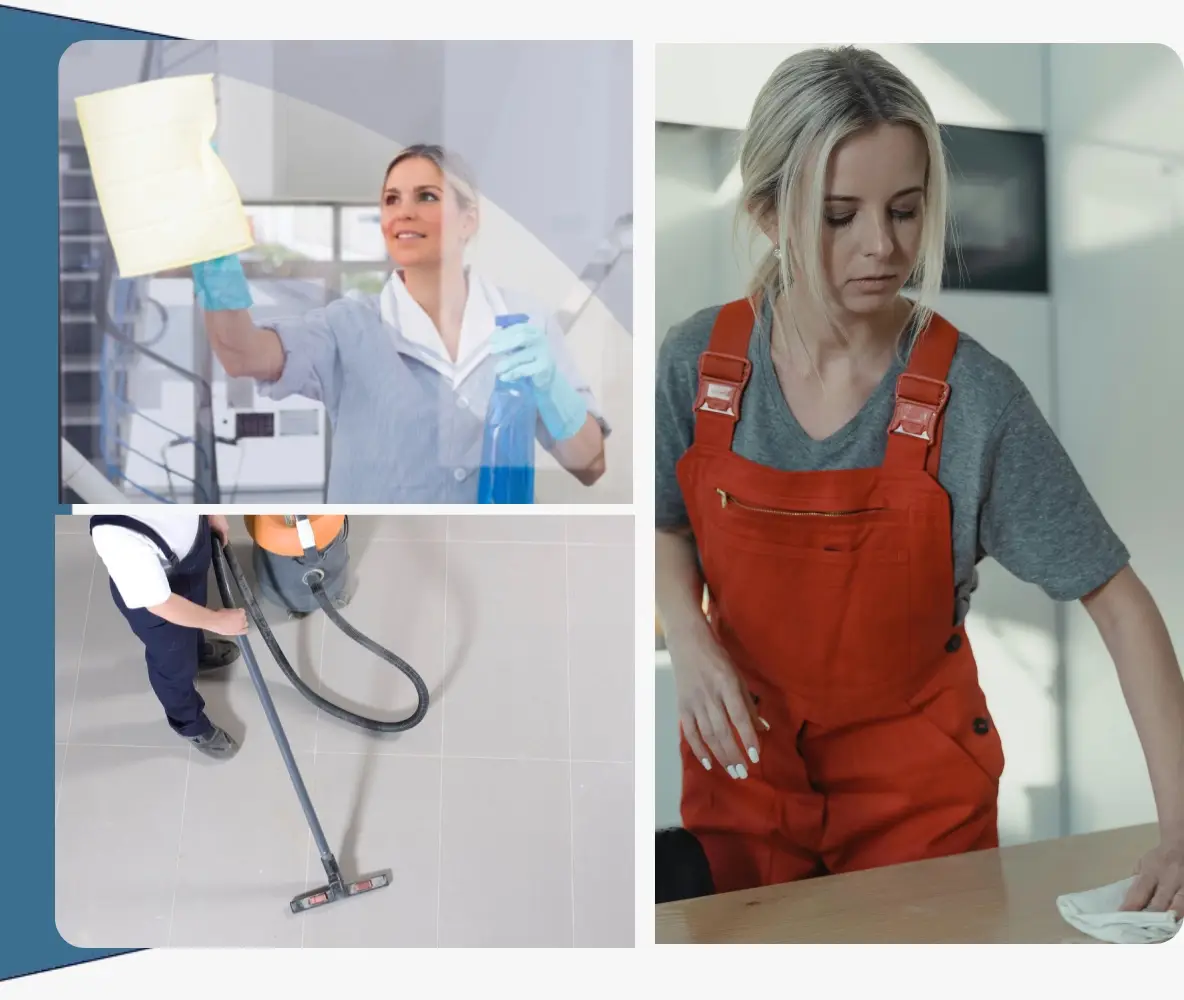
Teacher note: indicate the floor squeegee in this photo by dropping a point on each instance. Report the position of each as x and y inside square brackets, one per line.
[226, 566]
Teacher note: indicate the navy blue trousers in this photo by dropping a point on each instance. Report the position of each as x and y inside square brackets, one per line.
[171, 651]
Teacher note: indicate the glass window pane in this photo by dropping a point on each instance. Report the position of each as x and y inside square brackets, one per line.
[279, 298]
[290, 232]
[166, 319]
[361, 235]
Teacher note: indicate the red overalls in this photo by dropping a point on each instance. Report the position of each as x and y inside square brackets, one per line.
[833, 595]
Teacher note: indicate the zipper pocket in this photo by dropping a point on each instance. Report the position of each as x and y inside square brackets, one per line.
[726, 498]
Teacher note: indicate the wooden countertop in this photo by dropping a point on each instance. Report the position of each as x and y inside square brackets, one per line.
[987, 897]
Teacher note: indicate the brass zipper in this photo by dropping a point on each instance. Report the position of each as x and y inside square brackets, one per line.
[726, 498]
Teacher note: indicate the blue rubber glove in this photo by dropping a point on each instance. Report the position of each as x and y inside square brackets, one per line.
[526, 353]
[221, 284]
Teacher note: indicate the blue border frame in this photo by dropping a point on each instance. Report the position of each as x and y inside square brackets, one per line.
[31, 46]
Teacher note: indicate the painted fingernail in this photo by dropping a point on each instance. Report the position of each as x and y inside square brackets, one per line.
[741, 771]
[706, 763]
[731, 771]
[753, 755]
[765, 724]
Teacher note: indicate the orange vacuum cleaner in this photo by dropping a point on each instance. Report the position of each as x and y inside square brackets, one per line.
[279, 559]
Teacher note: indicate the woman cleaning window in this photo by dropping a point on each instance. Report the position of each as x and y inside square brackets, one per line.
[406, 376]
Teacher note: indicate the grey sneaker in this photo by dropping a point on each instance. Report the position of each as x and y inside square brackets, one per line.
[217, 743]
[216, 654]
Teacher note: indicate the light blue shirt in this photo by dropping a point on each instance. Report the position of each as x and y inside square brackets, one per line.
[401, 432]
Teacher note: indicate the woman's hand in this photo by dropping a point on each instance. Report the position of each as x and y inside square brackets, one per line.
[1160, 883]
[221, 284]
[525, 352]
[220, 527]
[713, 705]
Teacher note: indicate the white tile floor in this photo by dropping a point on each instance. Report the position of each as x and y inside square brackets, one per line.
[506, 816]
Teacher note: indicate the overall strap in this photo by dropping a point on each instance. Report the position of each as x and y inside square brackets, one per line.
[922, 392]
[724, 371]
[139, 528]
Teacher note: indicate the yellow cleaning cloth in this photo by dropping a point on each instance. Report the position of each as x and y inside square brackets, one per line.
[167, 199]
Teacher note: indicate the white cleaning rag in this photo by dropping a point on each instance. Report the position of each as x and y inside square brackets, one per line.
[1096, 913]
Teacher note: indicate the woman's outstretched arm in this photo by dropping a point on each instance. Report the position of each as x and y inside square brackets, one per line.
[244, 349]
[1149, 673]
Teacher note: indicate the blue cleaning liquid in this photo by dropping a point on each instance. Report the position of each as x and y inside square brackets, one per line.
[507, 454]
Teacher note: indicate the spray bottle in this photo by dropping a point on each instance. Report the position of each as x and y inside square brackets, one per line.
[507, 455]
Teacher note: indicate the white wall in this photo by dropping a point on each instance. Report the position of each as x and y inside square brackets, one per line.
[247, 116]
[705, 84]
[699, 261]
[1117, 155]
[334, 92]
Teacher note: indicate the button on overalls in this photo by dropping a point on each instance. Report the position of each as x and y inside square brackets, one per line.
[833, 596]
[172, 652]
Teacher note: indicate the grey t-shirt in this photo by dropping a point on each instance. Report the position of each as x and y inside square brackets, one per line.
[1015, 494]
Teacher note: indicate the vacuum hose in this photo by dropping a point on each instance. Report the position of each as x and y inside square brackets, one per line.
[224, 558]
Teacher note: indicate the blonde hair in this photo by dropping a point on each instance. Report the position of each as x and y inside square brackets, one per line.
[454, 169]
[813, 101]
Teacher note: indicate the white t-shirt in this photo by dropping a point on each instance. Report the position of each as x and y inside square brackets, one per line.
[136, 564]
[482, 307]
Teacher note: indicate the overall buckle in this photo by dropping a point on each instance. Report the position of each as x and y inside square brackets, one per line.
[722, 380]
[917, 411]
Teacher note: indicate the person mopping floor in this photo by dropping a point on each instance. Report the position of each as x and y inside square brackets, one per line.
[159, 565]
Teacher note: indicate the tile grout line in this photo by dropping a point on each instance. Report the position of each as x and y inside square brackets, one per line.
[571, 795]
[440, 815]
[57, 799]
[180, 844]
